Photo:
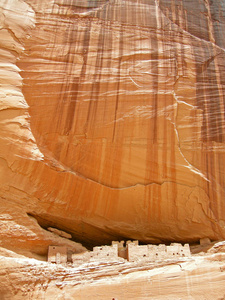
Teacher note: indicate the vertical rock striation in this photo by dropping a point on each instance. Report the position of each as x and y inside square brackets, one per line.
[126, 111]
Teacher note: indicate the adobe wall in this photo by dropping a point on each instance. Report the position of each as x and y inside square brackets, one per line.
[99, 254]
[177, 250]
[105, 253]
[157, 252]
[137, 253]
[132, 252]
[80, 258]
[57, 254]
[122, 249]
[153, 252]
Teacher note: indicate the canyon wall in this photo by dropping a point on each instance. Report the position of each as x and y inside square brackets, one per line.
[112, 121]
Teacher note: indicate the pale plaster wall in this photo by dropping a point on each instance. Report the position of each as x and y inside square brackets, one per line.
[132, 252]
[153, 252]
[57, 254]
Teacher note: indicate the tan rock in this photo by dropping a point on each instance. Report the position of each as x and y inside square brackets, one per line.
[111, 119]
[22, 234]
[196, 278]
[60, 233]
[205, 241]
[217, 247]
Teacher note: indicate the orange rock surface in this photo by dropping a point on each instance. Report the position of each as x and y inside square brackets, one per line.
[112, 119]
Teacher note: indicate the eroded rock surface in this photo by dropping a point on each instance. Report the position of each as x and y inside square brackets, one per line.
[199, 277]
[112, 118]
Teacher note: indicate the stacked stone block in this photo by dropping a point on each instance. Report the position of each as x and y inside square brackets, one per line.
[152, 252]
[118, 251]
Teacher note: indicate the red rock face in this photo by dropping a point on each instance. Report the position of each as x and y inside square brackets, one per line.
[124, 135]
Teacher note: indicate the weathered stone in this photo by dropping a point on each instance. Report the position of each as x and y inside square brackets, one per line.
[205, 241]
[60, 233]
[57, 254]
[111, 127]
[23, 278]
[137, 252]
[111, 117]
[133, 252]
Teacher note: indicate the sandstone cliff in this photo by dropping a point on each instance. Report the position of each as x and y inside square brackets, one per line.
[112, 121]
[200, 278]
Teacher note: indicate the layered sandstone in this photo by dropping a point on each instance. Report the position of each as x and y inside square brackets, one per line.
[200, 277]
[112, 120]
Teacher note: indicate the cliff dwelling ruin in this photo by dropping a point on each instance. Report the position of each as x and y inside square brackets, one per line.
[57, 254]
[120, 251]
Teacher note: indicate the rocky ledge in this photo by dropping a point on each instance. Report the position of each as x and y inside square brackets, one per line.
[199, 277]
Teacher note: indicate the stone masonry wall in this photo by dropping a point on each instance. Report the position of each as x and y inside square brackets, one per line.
[105, 253]
[153, 252]
[57, 254]
[132, 252]
[101, 254]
